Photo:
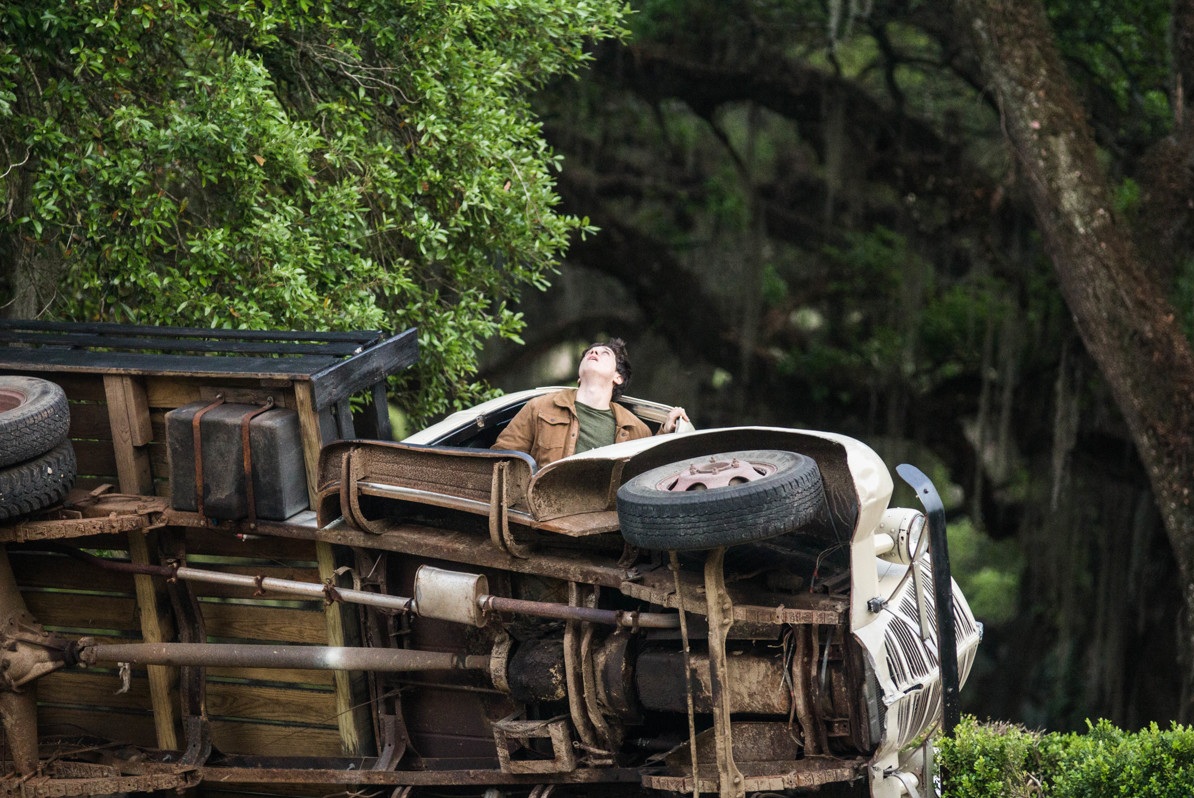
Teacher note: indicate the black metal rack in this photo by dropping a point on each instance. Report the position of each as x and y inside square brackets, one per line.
[336, 364]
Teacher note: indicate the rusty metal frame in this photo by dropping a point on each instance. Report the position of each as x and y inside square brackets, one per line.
[499, 514]
[197, 439]
[580, 596]
[247, 456]
[82, 779]
[721, 617]
[380, 628]
[514, 730]
[100, 512]
[53, 785]
[192, 683]
[18, 709]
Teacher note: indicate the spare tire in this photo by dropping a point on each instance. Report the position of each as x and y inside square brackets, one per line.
[706, 502]
[34, 418]
[38, 483]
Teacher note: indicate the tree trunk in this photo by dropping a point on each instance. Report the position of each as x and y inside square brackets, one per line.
[1126, 323]
[29, 269]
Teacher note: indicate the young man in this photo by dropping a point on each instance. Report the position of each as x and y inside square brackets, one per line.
[577, 419]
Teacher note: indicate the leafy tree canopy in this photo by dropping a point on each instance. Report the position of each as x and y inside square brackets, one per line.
[326, 164]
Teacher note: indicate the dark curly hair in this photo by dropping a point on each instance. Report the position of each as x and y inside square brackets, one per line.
[618, 347]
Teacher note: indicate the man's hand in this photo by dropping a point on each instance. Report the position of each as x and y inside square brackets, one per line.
[675, 415]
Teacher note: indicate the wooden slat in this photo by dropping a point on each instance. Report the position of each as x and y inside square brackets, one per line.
[87, 482]
[128, 411]
[159, 458]
[294, 723]
[354, 722]
[36, 569]
[125, 727]
[157, 626]
[228, 736]
[95, 689]
[159, 344]
[96, 459]
[136, 406]
[106, 328]
[264, 548]
[232, 737]
[138, 363]
[341, 380]
[90, 420]
[66, 610]
[263, 624]
[312, 436]
[78, 387]
[380, 428]
[252, 702]
[309, 679]
[170, 392]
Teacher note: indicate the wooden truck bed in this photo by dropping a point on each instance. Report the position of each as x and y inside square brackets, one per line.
[121, 381]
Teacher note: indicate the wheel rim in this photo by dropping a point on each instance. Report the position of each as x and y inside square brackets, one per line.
[714, 473]
[10, 399]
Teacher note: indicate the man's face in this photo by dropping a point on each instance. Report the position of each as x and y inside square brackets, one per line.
[600, 363]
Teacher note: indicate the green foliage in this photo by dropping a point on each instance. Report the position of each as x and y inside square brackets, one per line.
[1183, 298]
[1127, 197]
[988, 571]
[992, 761]
[1118, 53]
[875, 282]
[1107, 763]
[1001, 761]
[775, 288]
[344, 164]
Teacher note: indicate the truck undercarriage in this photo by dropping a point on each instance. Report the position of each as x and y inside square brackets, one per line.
[438, 618]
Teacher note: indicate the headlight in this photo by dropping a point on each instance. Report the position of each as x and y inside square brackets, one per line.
[898, 535]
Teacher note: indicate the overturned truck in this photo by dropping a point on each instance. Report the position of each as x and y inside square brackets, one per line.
[219, 576]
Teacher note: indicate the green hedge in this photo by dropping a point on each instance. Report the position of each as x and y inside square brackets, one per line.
[999, 760]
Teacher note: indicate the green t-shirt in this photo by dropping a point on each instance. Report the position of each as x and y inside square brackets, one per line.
[597, 427]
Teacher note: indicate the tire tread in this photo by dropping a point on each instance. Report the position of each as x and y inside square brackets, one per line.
[781, 503]
[37, 483]
[35, 426]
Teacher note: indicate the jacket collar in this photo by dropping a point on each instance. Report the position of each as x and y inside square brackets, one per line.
[567, 399]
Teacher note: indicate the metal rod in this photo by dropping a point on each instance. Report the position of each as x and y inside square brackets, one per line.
[291, 587]
[943, 594]
[225, 655]
[18, 710]
[543, 609]
[294, 587]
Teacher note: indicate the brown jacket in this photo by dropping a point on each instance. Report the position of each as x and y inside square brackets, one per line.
[546, 427]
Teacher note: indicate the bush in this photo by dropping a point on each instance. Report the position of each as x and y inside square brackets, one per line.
[999, 760]
[1107, 762]
[995, 760]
